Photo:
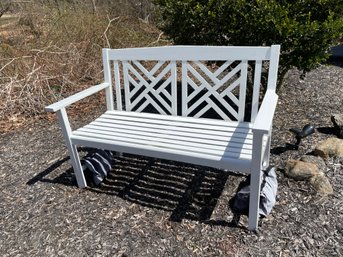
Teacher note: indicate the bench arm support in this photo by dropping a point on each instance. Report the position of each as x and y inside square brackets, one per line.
[264, 119]
[76, 97]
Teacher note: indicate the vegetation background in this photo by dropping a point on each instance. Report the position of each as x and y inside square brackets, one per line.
[52, 48]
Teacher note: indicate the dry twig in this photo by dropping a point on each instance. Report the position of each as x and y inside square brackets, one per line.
[108, 26]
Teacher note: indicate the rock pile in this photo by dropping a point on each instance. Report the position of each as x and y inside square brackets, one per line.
[312, 167]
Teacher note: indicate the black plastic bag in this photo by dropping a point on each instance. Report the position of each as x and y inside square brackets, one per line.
[267, 196]
[97, 165]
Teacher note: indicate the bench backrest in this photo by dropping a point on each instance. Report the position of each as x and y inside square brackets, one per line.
[198, 81]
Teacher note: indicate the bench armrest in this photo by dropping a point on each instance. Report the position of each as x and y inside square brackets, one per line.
[264, 119]
[76, 97]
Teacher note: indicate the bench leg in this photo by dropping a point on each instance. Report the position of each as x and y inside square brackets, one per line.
[74, 155]
[255, 182]
[255, 186]
[76, 163]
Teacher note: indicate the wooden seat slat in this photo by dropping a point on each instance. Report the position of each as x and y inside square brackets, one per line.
[173, 127]
[216, 161]
[129, 129]
[187, 137]
[166, 144]
[168, 138]
[179, 119]
[174, 122]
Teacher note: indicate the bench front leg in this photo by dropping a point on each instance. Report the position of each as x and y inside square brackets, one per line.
[255, 180]
[74, 155]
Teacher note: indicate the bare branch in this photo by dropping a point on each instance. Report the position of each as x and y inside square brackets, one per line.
[2, 11]
[12, 60]
[93, 6]
[158, 39]
[108, 26]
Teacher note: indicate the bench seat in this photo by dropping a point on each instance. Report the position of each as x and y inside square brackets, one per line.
[209, 142]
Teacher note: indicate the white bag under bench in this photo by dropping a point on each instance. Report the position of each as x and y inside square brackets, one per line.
[199, 102]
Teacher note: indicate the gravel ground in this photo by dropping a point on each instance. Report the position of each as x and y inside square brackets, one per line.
[150, 207]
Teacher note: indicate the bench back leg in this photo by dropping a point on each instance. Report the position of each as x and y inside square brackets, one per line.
[74, 155]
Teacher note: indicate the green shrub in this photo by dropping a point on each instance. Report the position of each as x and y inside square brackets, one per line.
[305, 29]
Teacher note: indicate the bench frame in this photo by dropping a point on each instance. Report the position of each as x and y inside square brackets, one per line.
[260, 125]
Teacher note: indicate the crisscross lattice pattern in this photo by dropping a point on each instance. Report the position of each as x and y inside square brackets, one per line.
[215, 88]
[155, 87]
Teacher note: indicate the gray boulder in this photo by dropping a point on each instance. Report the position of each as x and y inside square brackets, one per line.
[337, 120]
[321, 184]
[319, 162]
[331, 147]
[299, 170]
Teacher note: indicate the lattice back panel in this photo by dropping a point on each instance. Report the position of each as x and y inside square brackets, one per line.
[198, 81]
[188, 88]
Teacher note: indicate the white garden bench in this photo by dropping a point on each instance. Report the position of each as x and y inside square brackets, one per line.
[210, 79]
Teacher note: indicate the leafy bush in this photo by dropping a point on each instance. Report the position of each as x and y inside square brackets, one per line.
[305, 29]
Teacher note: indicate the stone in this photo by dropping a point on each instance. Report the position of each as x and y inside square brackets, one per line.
[319, 162]
[331, 147]
[321, 184]
[299, 170]
[337, 120]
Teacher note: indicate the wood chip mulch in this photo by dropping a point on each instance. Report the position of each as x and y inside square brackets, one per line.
[150, 207]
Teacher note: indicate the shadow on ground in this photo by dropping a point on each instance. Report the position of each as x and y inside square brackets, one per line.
[336, 57]
[187, 191]
[327, 130]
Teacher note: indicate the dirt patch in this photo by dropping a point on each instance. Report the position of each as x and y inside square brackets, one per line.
[152, 207]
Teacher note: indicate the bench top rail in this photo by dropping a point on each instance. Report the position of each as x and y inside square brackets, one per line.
[192, 53]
